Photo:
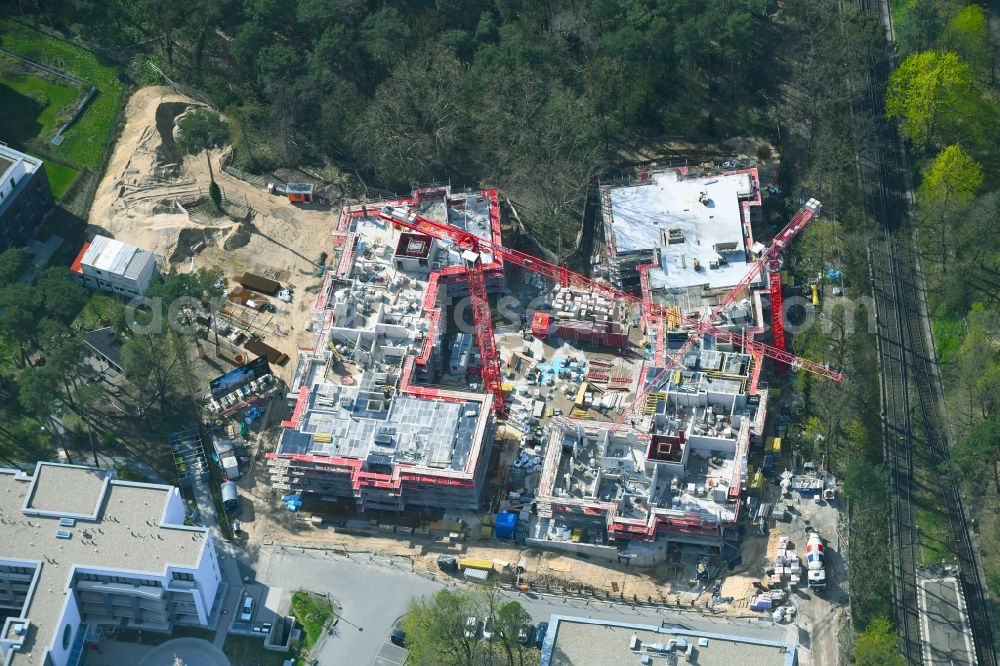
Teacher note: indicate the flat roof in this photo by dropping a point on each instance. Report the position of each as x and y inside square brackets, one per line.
[128, 533]
[65, 490]
[9, 157]
[574, 641]
[116, 257]
[360, 421]
[667, 214]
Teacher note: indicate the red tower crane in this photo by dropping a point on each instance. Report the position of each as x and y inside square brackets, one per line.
[771, 257]
[483, 319]
[465, 240]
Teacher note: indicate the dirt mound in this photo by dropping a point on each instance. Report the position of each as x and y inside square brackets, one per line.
[168, 154]
[154, 197]
[239, 238]
[191, 242]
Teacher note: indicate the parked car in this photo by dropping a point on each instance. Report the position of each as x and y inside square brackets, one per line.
[472, 627]
[247, 611]
[729, 164]
[540, 632]
[525, 634]
[398, 637]
[488, 629]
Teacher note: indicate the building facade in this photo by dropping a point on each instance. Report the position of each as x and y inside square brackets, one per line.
[25, 196]
[80, 550]
[111, 265]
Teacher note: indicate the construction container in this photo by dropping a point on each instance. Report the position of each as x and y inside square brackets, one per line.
[505, 525]
[230, 498]
[469, 563]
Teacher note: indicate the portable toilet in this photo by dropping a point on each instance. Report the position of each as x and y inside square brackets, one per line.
[505, 525]
[230, 500]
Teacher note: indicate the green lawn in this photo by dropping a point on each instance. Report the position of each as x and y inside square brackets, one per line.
[250, 650]
[130, 635]
[86, 139]
[312, 612]
[27, 114]
[935, 537]
[61, 177]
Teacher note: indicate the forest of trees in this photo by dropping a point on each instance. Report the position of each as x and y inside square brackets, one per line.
[945, 96]
[541, 97]
[534, 97]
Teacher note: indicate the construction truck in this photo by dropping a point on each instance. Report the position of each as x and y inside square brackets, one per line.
[816, 561]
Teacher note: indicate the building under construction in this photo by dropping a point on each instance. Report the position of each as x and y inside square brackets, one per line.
[683, 240]
[692, 230]
[673, 476]
[387, 435]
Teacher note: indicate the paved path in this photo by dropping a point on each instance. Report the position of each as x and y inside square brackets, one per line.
[945, 634]
[231, 575]
[372, 598]
[192, 651]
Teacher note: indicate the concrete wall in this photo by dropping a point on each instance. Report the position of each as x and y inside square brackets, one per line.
[70, 618]
[173, 513]
[208, 576]
[597, 553]
[649, 554]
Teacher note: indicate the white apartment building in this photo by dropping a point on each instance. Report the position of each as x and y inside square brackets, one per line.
[79, 549]
[111, 265]
[25, 196]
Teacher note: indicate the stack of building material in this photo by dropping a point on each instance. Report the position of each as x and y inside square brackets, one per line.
[527, 462]
[766, 601]
[619, 378]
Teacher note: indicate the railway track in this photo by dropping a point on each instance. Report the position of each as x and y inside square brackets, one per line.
[911, 391]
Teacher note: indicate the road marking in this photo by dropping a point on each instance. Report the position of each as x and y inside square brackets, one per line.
[925, 643]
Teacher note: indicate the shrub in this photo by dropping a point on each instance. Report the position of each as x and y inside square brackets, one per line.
[215, 194]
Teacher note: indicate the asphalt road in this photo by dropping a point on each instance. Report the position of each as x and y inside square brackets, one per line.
[374, 596]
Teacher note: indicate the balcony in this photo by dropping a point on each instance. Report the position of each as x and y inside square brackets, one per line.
[76, 652]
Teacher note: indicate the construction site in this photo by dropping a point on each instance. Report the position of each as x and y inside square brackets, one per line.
[448, 394]
[612, 422]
